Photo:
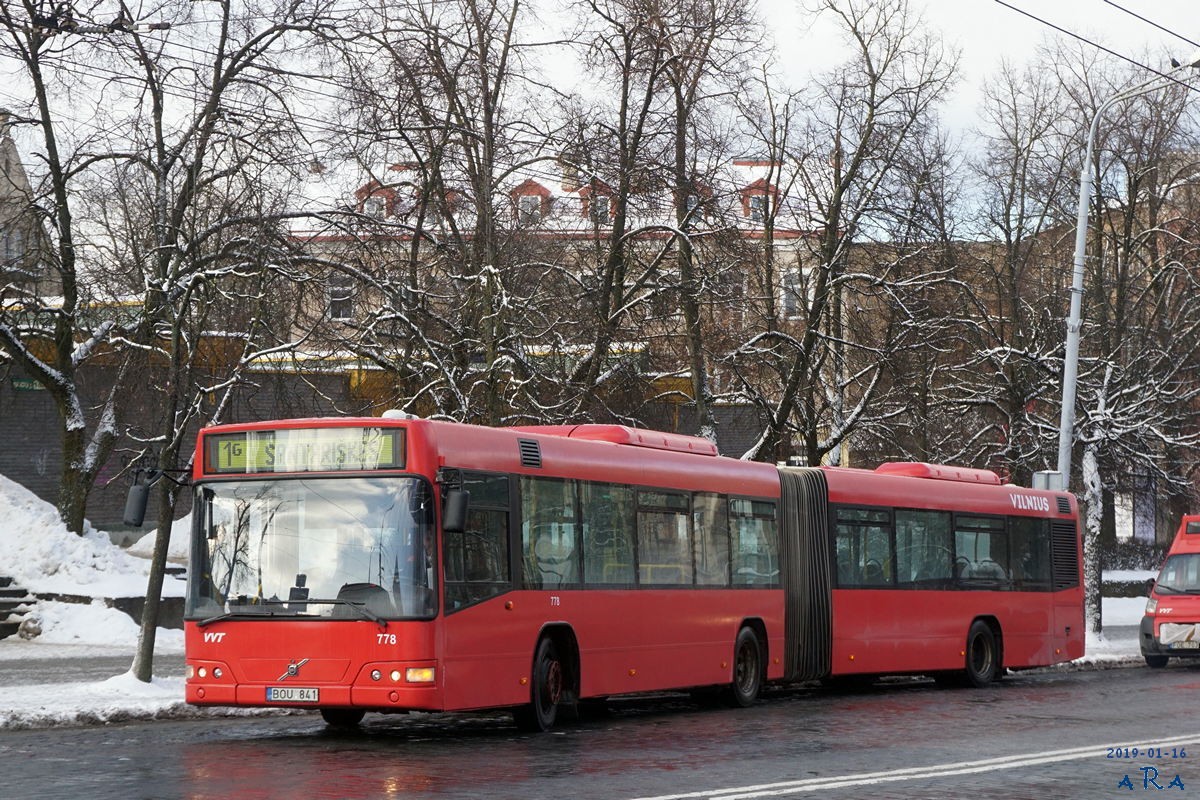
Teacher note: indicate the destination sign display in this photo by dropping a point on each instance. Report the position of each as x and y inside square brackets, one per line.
[305, 450]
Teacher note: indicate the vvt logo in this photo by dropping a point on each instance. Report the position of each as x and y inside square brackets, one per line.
[211, 636]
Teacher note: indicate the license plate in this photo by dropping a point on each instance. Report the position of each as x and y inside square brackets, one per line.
[292, 694]
[1185, 645]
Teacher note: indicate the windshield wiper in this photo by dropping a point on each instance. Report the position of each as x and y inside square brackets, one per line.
[1162, 589]
[255, 610]
[357, 605]
[238, 612]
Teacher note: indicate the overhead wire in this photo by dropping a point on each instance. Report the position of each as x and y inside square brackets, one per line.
[1096, 45]
[1152, 23]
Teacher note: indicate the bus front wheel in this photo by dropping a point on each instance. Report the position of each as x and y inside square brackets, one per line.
[983, 655]
[546, 693]
[747, 669]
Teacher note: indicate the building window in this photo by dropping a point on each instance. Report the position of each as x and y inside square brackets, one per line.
[793, 293]
[529, 209]
[14, 245]
[341, 297]
[598, 209]
[758, 207]
[375, 207]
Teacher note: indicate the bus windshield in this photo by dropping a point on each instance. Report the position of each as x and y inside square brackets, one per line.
[348, 548]
[1180, 575]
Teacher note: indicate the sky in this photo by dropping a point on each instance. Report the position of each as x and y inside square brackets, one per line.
[986, 32]
[37, 550]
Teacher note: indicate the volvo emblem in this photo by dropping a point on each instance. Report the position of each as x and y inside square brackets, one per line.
[293, 669]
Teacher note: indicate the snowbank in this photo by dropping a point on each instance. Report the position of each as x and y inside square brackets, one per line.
[177, 548]
[41, 555]
[120, 698]
[97, 624]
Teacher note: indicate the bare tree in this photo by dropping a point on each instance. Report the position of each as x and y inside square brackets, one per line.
[859, 122]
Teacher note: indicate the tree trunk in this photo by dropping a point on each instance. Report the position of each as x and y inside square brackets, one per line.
[143, 660]
[1093, 504]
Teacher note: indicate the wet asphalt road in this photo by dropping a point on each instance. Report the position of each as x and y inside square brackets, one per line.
[1035, 735]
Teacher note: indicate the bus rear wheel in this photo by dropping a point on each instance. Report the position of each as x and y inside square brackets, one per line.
[747, 669]
[983, 655]
[344, 718]
[546, 693]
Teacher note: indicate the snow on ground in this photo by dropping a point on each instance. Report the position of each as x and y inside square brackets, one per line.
[97, 624]
[177, 549]
[41, 555]
[119, 698]
[1130, 575]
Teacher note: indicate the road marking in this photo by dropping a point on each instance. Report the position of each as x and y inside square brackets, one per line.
[920, 773]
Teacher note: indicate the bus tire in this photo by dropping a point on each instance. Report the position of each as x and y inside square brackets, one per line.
[1155, 661]
[983, 655]
[546, 690]
[342, 718]
[747, 669]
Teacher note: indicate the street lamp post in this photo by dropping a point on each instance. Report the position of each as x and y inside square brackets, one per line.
[1071, 355]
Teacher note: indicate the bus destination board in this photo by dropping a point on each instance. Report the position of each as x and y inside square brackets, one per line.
[305, 450]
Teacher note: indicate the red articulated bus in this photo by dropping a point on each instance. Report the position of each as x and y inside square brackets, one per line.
[389, 564]
[1170, 628]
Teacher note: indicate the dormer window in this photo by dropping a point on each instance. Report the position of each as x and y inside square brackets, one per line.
[598, 210]
[758, 206]
[529, 209]
[375, 207]
[531, 200]
[597, 202]
[759, 200]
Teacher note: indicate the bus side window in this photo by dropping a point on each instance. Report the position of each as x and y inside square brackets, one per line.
[981, 550]
[755, 542]
[608, 531]
[710, 525]
[664, 539]
[924, 548]
[1029, 538]
[549, 533]
[864, 547]
[477, 563]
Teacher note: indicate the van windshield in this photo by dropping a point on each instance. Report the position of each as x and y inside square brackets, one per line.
[1180, 575]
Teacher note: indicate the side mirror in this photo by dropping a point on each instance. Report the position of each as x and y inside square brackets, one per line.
[1149, 586]
[454, 511]
[135, 504]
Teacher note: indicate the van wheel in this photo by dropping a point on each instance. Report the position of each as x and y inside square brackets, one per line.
[546, 693]
[983, 656]
[1156, 662]
[343, 718]
[747, 669]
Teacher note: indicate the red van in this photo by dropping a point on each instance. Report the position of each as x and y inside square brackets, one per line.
[1171, 626]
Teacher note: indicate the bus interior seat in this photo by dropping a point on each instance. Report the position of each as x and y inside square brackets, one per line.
[372, 596]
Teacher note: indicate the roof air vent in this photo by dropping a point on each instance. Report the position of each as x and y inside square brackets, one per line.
[531, 453]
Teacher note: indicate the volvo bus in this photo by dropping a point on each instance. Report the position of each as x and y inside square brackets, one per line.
[390, 564]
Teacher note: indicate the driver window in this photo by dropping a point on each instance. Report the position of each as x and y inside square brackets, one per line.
[477, 563]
